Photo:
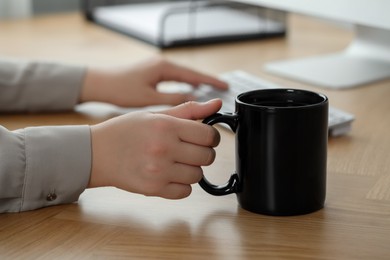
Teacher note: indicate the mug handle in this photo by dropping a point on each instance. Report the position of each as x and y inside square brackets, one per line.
[232, 185]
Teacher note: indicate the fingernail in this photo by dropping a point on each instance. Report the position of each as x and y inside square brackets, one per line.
[212, 100]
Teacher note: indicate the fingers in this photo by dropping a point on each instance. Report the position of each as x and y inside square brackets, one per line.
[177, 182]
[176, 191]
[185, 174]
[200, 134]
[196, 139]
[195, 155]
[182, 176]
[179, 73]
[156, 154]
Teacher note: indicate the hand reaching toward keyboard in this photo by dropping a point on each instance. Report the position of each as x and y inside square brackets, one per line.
[155, 154]
[136, 86]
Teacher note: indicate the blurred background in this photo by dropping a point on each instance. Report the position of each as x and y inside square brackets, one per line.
[25, 8]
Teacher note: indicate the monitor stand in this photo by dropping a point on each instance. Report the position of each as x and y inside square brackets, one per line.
[365, 60]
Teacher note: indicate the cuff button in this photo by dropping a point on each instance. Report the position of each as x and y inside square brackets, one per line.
[51, 196]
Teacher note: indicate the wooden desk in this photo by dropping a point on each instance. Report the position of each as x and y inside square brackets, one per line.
[109, 223]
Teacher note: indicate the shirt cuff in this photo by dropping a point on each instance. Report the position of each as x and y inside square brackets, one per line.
[58, 165]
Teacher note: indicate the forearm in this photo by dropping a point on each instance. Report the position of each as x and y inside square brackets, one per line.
[43, 166]
[39, 86]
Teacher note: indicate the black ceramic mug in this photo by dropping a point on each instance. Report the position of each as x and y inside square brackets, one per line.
[281, 151]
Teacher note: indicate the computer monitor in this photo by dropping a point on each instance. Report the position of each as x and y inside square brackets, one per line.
[365, 60]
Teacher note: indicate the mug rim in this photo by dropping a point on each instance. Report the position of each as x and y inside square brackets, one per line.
[283, 90]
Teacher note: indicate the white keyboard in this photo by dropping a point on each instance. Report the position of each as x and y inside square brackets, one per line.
[240, 81]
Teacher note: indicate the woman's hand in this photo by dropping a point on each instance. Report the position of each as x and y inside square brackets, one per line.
[155, 154]
[136, 86]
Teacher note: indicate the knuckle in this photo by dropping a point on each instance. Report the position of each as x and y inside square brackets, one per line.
[157, 149]
[152, 170]
[152, 179]
[191, 107]
[159, 144]
[190, 103]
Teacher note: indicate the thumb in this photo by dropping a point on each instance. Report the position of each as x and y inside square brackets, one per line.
[195, 110]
